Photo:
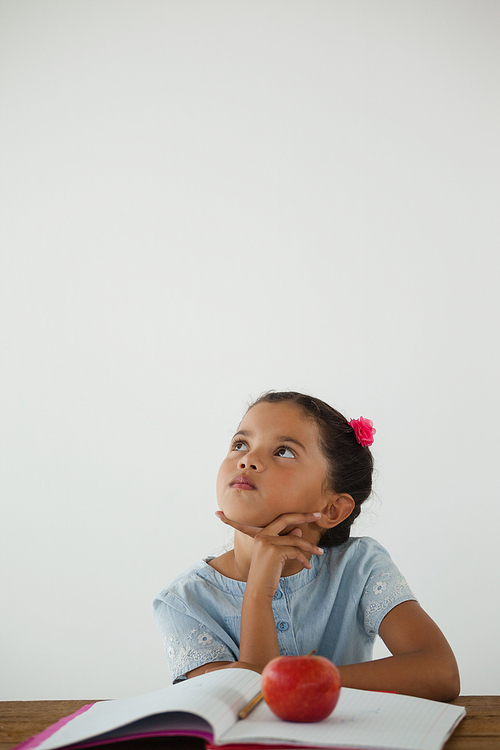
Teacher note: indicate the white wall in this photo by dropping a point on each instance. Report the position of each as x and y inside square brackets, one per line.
[205, 199]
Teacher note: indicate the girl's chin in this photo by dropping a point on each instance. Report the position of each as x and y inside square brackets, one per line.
[249, 520]
[246, 518]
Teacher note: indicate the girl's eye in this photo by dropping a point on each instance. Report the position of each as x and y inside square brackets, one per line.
[285, 452]
[239, 446]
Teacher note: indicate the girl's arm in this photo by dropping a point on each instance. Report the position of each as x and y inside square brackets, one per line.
[258, 637]
[422, 662]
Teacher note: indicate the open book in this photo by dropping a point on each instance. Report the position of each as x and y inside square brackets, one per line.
[207, 707]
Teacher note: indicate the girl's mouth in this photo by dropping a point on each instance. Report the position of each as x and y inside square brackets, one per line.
[242, 483]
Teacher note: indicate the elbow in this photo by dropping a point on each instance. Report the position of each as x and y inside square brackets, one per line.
[439, 679]
[452, 685]
[446, 685]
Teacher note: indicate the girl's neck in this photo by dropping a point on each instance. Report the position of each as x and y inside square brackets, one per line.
[235, 563]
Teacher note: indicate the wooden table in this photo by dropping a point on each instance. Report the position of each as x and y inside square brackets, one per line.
[480, 730]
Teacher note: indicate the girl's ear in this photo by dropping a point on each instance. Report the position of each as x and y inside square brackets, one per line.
[338, 508]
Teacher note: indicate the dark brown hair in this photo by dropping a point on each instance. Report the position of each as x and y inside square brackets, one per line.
[350, 466]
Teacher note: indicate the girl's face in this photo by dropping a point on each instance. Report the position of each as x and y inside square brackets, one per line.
[274, 466]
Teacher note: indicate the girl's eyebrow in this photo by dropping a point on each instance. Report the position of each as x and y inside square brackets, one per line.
[287, 439]
[279, 438]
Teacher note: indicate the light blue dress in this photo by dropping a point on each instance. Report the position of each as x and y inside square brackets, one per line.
[335, 608]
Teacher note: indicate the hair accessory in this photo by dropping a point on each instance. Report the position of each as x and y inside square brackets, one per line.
[364, 431]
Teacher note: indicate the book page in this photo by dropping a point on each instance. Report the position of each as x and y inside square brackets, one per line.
[216, 697]
[361, 719]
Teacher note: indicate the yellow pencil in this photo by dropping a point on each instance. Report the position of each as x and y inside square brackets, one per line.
[250, 706]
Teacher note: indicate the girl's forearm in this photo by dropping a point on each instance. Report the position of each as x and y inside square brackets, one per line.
[258, 638]
[422, 674]
[268, 555]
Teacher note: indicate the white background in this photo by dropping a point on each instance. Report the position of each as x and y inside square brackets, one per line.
[205, 199]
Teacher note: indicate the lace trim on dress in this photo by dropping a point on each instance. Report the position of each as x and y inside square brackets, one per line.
[197, 648]
[384, 591]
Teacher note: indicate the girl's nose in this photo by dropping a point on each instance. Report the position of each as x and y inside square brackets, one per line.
[250, 461]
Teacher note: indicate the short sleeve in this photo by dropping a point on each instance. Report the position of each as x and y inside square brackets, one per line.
[189, 643]
[384, 590]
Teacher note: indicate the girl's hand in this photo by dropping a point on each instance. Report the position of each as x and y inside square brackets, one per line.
[271, 550]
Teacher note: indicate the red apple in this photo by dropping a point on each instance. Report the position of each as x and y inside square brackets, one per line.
[301, 688]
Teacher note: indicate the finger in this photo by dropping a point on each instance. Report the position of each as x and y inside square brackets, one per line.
[248, 530]
[301, 555]
[274, 528]
[290, 519]
[274, 551]
[288, 542]
[295, 532]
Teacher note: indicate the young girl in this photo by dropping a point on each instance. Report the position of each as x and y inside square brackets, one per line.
[291, 485]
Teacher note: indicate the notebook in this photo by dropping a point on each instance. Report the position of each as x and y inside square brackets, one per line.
[207, 707]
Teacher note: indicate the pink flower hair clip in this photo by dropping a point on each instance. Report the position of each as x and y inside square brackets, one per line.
[364, 431]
